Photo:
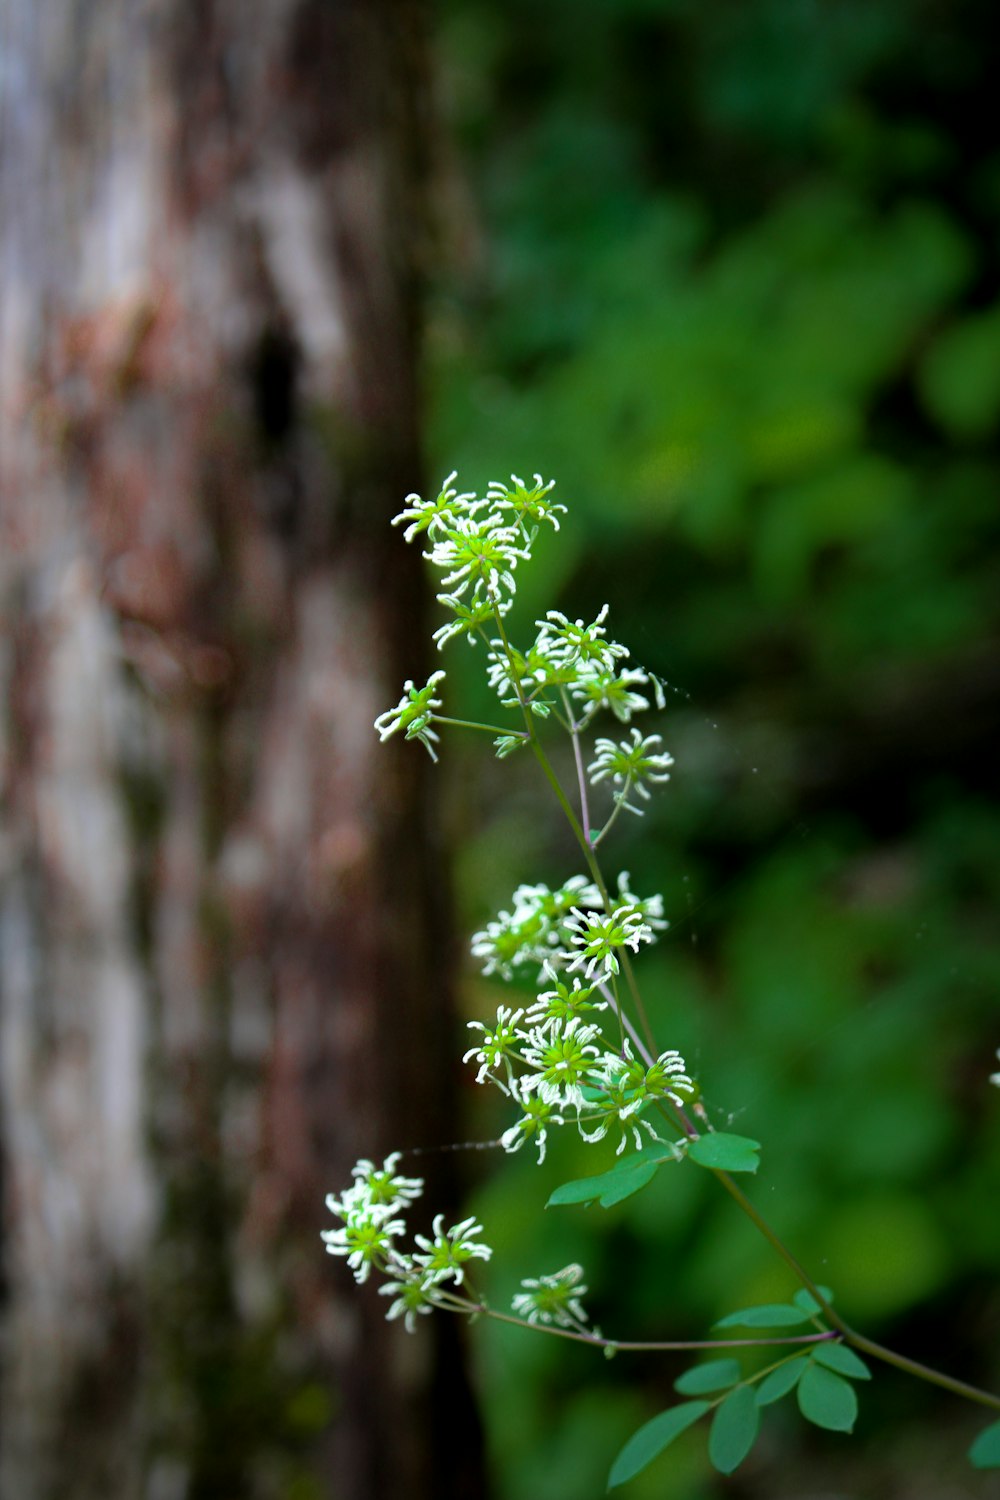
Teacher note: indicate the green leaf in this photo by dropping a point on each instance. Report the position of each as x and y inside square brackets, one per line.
[827, 1400]
[725, 1153]
[734, 1430]
[768, 1315]
[808, 1302]
[781, 1381]
[838, 1357]
[716, 1375]
[985, 1451]
[619, 1182]
[643, 1446]
[628, 1182]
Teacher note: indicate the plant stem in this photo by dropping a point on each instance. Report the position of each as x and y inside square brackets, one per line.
[641, 1347]
[574, 733]
[921, 1371]
[472, 724]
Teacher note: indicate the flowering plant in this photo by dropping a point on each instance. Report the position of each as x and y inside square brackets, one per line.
[582, 1053]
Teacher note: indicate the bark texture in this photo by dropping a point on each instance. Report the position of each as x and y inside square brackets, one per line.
[224, 943]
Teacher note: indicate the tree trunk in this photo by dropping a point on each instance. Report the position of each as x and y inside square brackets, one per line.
[222, 914]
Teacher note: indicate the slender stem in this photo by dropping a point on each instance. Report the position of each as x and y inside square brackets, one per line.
[574, 733]
[921, 1371]
[640, 1009]
[619, 804]
[639, 1347]
[782, 1249]
[472, 724]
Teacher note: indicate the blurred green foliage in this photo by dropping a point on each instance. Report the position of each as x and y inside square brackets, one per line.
[730, 273]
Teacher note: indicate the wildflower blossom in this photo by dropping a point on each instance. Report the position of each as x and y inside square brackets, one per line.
[483, 553]
[447, 1254]
[470, 618]
[617, 1098]
[380, 1187]
[366, 1239]
[570, 643]
[506, 744]
[651, 907]
[536, 1117]
[553, 1299]
[498, 1046]
[562, 1055]
[606, 689]
[436, 515]
[528, 503]
[995, 1077]
[516, 677]
[595, 936]
[668, 1078]
[563, 1001]
[414, 712]
[414, 1296]
[535, 928]
[630, 765]
[511, 939]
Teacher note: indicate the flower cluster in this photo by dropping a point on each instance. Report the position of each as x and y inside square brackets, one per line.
[372, 1211]
[552, 1058]
[434, 1274]
[571, 669]
[536, 927]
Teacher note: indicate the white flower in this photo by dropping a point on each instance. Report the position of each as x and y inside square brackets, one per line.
[447, 1253]
[380, 1187]
[533, 931]
[414, 712]
[366, 1238]
[510, 940]
[538, 1114]
[650, 907]
[414, 1296]
[562, 1055]
[562, 1001]
[553, 1299]
[995, 1077]
[470, 617]
[481, 552]
[528, 504]
[668, 1078]
[434, 516]
[571, 643]
[600, 689]
[497, 1046]
[630, 766]
[595, 936]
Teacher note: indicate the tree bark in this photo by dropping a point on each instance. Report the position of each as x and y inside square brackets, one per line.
[224, 925]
